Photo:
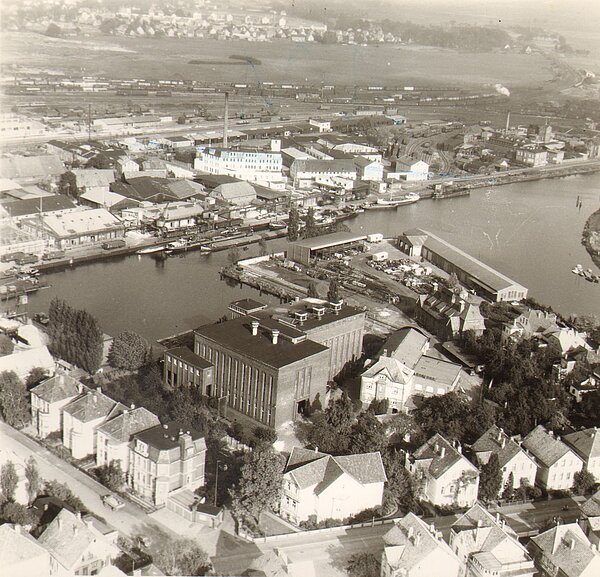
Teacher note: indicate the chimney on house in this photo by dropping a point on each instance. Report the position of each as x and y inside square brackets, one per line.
[478, 529]
[17, 528]
[411, 532]
[503, 443]
[443, 452]
[99, 389]
[255, 325]
[275, 145]
[572, 544]
[384, 353]
[499, 435]
[497, 518]
[337, 306]
[132, 406]
[459, 448]
[58, 523]
[417, 539]
[80, 388]
[226, 120]
[274, 336]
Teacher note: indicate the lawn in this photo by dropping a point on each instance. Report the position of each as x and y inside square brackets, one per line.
[282, 61]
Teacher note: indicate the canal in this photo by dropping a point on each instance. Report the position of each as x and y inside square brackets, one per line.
[529, 231]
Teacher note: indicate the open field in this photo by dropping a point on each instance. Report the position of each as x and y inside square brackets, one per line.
[282, 61]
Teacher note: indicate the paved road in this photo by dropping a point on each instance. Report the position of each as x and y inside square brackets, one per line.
[130, 520]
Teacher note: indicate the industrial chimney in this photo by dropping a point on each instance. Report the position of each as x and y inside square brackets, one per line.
[226, 120]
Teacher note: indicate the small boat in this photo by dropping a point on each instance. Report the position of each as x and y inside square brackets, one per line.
[383, 203]
[206, 248]
[150, 249]
[178, 244]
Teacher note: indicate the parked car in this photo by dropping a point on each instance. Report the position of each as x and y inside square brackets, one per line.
[113, 502]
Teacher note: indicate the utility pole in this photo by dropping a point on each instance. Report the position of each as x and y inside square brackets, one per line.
[226, 120]
[89, 123]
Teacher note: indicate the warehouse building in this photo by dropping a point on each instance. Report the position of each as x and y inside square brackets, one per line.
[306, 250]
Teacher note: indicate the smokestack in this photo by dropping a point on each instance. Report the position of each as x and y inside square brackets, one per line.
[508, 121]
[255, 325]
[226, 120]
[275, 335]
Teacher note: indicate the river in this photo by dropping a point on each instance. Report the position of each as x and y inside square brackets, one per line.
[529, 231]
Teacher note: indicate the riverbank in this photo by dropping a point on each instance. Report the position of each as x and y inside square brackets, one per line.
[590, 237]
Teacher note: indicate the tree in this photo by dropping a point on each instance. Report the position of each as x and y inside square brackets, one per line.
[259, 487]
[6, 345]
[34, 482]
[128, 351]
[312, 290]
[293, 224]
[35, 377]
[67, 185]
[509, 488]
[379, 406]
[583, 482]
[264, 437]
[16, 513]
[454, 283]
[14, 401]
[111, 475]
[490, 479]
[181, 557]
[399, 482]
[367, 434]
[181, 119]
[100, 161]
[363, 565]
[61, 491]
[310, 229]
[333, 293]
[263, 249]
[53, 30]
[8, 481]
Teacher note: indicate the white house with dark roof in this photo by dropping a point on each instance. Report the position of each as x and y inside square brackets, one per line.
[48, 400]
[511, 456]
[82, 416]
[330, 487]
[590, 518]
[445, 475]
[557, 464]
[404, 370]
[77, 547]
[486, 545]
[564, 551]
[113, 436]
[414, 549]
[21, 555]
[586, 444]
[409, 169]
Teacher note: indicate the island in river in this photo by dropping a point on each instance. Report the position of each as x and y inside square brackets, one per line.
[591, 236]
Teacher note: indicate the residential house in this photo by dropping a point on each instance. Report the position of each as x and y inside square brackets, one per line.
[557, 464]
[321, 124]
[114, 435]
[564, 551]
[317, 484]
[82, 416]
[588, 385]
[565, 339]
[77, 229]
[446, 476]
[448, 315]
[184, 367]
[165, 459]
[403, 371]
[486, 546]
[590, 518]
[512, 457]
[586, 444]
[22, 361]
[532, 156]
[76, 545]
[414, 549]
[530, 322]
[48, 400]
[21, 555]
[409, 169]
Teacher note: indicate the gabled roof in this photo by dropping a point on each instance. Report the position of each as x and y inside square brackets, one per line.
[33, 206]
[406, 345]
[568, 548]
[407, 162]
[41, 166]
[18, 546]
[93, 405]
[184, 188]
[120, 429]
[586, 443]
[410, 542]
[495, 440]
[93, 177]
[591, 508]
[105, 198]
[546, 448]
[58, 388]
[316, 165]
[234, 190]
[311, 468]
[67, 537]
[441, 454]
[397, 371]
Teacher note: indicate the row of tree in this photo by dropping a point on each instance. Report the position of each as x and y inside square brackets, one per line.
[75, 336]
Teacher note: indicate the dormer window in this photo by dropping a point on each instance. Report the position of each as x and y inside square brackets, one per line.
[141, 448]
